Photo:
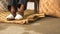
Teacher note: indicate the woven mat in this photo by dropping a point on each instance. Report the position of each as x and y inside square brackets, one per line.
[4, 14]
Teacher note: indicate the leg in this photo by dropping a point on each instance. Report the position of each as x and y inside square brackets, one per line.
[21, 7]
[22, 4]
[21, 10]
[13, 11]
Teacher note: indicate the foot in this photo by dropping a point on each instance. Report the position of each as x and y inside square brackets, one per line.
[10, 17]
[18, 17]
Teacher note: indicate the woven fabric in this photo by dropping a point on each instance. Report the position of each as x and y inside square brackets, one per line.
[4, 14]
[50, 7]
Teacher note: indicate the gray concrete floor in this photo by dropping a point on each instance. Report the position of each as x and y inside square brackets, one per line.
[48, 25]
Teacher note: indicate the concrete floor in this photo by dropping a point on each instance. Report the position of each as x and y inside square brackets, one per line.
[48, 25]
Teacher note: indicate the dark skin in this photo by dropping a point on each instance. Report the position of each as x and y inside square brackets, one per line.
[20, 10]
[13, 11]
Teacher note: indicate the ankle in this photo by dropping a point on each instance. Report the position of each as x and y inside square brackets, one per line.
[13, 14]
[21, 13]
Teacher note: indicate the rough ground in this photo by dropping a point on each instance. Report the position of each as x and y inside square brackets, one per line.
[47, 25]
